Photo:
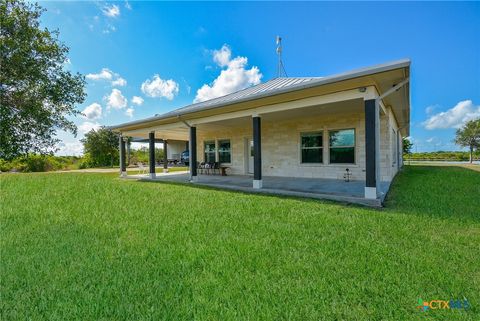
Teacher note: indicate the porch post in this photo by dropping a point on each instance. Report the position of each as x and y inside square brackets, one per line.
[151, 151]
[193, 154]
[123, 168]
[371, 148]
[165, 156]
[257, 152]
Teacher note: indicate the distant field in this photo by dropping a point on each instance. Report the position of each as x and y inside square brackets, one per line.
[89, 246]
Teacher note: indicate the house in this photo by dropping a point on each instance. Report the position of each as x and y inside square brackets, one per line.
[298, 131]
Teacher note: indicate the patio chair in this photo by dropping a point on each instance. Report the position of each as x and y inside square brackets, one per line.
[141, 168]
[216, 167]
[208, 166]
[200, 167]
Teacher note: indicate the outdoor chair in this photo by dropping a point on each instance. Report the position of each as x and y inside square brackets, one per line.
[141, 168]
[216, 167]
[200, 167]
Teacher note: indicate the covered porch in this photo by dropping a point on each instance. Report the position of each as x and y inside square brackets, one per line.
[296, 137]
[317, 188]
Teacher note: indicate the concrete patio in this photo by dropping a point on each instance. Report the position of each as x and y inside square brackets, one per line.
[330, 189]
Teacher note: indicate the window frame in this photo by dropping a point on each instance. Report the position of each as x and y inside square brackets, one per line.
[218, 150]
[205, 142]
[321, 148]
[354, 146]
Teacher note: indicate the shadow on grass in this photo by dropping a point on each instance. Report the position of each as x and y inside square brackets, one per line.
[437, 191]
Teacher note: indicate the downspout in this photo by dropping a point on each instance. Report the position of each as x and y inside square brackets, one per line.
[183, 121]
[377, 107]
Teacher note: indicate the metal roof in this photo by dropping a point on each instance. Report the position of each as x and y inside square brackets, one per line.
[270, 88]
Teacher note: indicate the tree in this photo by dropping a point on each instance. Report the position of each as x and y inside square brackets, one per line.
[407, 146]
[101, 146]
[469, 136]
[37, 94]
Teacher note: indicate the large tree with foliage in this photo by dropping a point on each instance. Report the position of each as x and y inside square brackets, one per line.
[469, 136]
[101, 146]
[407, 146]
[37, 93]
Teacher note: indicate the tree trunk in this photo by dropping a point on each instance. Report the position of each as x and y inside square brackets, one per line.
[471, 154]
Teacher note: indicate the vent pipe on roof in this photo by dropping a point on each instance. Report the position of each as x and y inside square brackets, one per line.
[280, 68]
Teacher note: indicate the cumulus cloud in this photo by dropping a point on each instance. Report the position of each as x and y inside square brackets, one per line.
[87, 126]
[107, 75]
[158, 87]
[93, 111]
[235, 77]
[454, 117]
[111, 11]
[70, 149]
[222, 56]
[137, 100]
[104, 74]
[119, 82]
[129, 112]
[116, 100]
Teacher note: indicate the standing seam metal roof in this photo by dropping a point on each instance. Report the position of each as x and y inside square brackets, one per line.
[270, 88]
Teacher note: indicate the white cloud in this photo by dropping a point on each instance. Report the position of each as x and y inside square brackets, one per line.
[157, 87]
[235, 77]
[93, 111]
[87, 126]
[107, 75]
[111, 11]
[430, 109]
[129, 112]
[116, 100]
[454, 117]
[119, 82]
[104, 74]
[137, 100]
[222, 56]
[127, 5]
[69, 149]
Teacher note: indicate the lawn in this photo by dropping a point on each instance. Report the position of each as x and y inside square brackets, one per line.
[80, 246]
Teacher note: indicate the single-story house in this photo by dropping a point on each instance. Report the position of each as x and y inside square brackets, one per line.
[296, 128]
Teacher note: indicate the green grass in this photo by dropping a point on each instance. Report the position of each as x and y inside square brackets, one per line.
[80, 246]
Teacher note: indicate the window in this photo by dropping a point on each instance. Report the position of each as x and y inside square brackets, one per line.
[210, 151]
[224, 151]
[312, 147]
[342, 146]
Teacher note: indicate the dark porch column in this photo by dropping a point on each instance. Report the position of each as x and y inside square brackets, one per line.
[151, 151]
[257, 152]
[165, 156]
[371, 125]
[123, 168]
[193, 153]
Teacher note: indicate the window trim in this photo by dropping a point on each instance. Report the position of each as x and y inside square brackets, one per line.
[349, 146]
[320, 132]
[218, 150]
[215, 150]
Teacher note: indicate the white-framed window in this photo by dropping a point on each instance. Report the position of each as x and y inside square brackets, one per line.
[209, 151]
[311, 145]
[224, 151]
[342, 146]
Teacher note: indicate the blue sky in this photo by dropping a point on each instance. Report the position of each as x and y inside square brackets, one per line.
[163, 53]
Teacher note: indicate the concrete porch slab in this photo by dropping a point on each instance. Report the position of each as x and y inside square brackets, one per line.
[329, 189]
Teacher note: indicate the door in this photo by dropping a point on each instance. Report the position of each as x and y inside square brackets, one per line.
[249, 156]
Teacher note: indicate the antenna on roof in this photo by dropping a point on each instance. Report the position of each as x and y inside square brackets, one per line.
[280, 68]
